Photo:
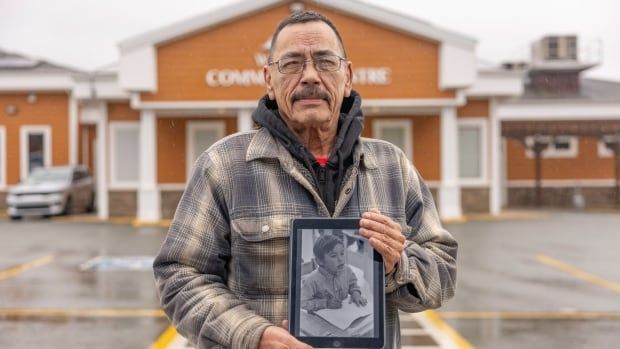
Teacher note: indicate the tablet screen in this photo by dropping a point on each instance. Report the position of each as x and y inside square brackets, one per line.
[336, 289]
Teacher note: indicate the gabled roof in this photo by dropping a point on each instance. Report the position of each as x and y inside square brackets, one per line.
[14, 62]
[381, 16]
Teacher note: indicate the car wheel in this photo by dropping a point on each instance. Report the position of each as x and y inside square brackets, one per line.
[68, 206]
[15, 218]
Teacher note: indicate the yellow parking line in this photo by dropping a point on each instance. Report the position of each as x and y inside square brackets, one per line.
[593, 279]
[8, 273]
[529, 315]
[81, 313]
[165, 339]
[455, 337]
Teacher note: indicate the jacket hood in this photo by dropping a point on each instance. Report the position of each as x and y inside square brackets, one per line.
[350, 125]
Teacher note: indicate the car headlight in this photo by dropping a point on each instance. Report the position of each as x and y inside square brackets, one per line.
[54, 197]
[10, 199]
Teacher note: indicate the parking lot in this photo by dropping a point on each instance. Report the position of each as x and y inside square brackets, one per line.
[48, 301]
[547, 280]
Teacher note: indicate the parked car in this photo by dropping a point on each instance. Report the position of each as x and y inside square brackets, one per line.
[52, 191]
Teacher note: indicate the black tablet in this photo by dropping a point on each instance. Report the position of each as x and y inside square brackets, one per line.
[336, 287]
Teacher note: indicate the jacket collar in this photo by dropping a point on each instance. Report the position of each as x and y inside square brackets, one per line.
[264, 145]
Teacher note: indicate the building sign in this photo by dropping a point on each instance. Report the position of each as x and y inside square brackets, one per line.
[228, 77]
[254, 77]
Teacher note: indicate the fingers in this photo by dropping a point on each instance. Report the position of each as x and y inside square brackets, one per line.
[382, 224]
[390, 255]
[284, 324]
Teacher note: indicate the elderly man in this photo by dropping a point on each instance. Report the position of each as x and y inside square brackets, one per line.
[222, 271]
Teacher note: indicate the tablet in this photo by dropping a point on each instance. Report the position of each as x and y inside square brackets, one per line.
[336, 286]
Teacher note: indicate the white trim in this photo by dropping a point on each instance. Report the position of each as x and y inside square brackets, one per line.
[496, 84]
[602, 150]
[31, 81]
[552, 152]
[560, 183]
[136, 103]
[73, 130]
[369, 12]
[101, 160]
[549, 111]
[114, 126]
[481, 124]
[244, 120]
[190, 128]
[399, 21]
[138, 69]
[450, 189]
[406, 124]
[98, 85]
[3, 171]
[457, 66]
[496, 161]
[416, 102]
[433, 184]
[149, 197]
[172, 186]
[23, 146]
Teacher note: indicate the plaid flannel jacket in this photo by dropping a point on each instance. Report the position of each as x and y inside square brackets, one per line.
[222, 271]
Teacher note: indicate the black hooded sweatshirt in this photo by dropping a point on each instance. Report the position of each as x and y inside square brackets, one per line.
[327, 179]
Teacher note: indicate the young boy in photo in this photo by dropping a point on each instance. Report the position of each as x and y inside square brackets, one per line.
[333, 281]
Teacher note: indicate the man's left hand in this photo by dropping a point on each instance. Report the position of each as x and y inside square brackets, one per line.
[384, 235]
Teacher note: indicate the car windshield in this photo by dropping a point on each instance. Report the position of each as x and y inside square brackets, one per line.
[49, 175]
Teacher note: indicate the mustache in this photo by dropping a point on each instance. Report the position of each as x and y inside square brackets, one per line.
[311, 91]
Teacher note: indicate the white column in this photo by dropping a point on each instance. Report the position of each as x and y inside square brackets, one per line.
[244, 120]
[149, 209]
[73, 130]
[101, 159]
[449, 189]
[495, 197]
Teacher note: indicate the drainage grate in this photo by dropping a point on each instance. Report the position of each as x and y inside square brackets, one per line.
[129, 263]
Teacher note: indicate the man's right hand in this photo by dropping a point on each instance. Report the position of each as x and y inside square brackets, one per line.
[278, 338]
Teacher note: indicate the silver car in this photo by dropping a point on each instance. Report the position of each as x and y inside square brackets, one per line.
[52, 191]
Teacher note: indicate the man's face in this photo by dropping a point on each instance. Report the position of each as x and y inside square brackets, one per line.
[333, 261]
[309, 98]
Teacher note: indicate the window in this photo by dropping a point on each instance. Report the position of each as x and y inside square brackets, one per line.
[124, 155]
[571, 49]
[2, 157]
[606, 144]
[472, 150]
[559, 146]
[397, 132]
[553, 48]
[35, 148]
[200, 136]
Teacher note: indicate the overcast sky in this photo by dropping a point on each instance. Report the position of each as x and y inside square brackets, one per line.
[85, 33]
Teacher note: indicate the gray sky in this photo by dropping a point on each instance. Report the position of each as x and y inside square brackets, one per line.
[85, 33]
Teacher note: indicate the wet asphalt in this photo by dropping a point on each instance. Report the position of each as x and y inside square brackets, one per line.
[499, 271]
[61, 285]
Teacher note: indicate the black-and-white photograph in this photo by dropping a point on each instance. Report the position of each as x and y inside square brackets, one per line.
[336, 284]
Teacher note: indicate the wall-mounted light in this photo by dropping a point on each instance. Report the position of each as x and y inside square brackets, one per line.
[296, 7]
[32, 98]
[10, 110]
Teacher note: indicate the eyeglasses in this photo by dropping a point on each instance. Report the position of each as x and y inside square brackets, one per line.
[322, 63]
